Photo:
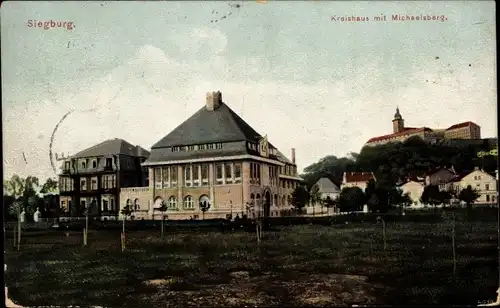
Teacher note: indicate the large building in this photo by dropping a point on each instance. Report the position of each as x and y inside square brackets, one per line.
[466, 130]
[215, 157]
[93, 177]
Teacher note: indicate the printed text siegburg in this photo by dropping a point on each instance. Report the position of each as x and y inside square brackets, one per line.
[49, 24]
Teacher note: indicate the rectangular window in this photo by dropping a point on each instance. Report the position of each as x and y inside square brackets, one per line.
[157, 175]
[237, 172]
[173, 176]
[94, 163]
[93, 184]
[188, 176]
[204, 174]
[196, 175]
[165, 177]
[83, 184]
[228, 173]
[487, 186]
[109, 162]
[219, 177]
[67, 165]
[105, 205]
[487, 198]
[83, 165]
[258, 173]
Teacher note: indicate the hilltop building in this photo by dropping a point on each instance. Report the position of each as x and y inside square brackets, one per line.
[93, 177]
[215, 157]
[466, 130]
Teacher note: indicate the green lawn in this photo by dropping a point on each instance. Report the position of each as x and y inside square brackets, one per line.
[295, 265]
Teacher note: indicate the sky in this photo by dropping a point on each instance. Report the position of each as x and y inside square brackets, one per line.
[136, 70]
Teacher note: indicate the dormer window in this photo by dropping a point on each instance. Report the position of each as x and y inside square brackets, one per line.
[84, 165]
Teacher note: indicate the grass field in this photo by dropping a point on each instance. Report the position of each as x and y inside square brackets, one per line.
[306, 265]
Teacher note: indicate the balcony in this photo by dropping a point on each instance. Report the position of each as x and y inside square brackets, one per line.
[65, 171]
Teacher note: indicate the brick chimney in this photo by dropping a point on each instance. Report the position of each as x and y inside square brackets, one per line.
[213, 100]
[293, 156]
[138, 151]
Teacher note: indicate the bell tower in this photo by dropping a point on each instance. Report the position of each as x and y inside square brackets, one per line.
[398, 124]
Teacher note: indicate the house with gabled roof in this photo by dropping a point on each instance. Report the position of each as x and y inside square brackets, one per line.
[327, 188]
[216, 158]
[357, 179]
[483, 182]
[93, 177]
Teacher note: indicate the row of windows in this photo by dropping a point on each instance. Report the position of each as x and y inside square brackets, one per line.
[197, 147]
[91, 163]
[490, 198]
[198, 175]
[288, 170]
[289, 184]
[257, 200]
[187, 202]
[165, 177]
[227, 173]
[107, 182]
[107, 204]
[258, 148]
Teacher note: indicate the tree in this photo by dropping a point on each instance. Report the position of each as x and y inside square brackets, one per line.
[204, 206]
[163, 207]
[351, 199]
[300, 197]
[15, 186]
[314, 196]
[431, 195]
[126, 211]
[50, 186]
[469, 196]
[25, 191]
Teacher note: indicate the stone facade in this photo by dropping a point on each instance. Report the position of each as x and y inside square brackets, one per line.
[225, 199]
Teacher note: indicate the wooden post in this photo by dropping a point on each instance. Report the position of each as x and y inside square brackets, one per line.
[84, 237]
[453, 245]
[14, 239]
[162, 221]
[18, 228]
[385, 242]
[123, 234]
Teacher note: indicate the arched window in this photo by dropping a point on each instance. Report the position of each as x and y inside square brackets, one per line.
[157, 203]
[257, 200]
[188, 202]
[172, 202]
[129, 203]
[203, 199]
[275, 200]
[252, 199]
[137, 206]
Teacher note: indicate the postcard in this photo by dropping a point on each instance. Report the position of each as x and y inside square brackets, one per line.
[232, 153]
